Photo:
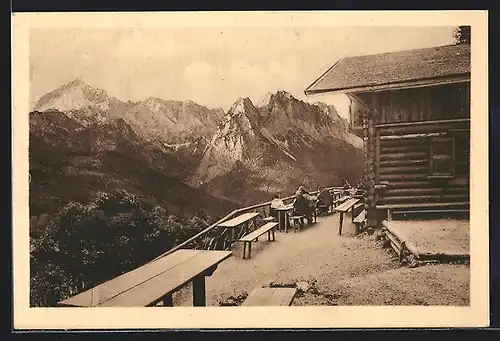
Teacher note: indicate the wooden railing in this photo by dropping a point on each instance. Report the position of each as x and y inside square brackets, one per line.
[212, 242]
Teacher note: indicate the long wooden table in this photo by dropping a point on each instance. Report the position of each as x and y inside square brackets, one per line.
[154, 282]
[241, 220]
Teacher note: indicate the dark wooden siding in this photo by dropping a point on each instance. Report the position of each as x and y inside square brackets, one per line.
[357, 110]
[418, 104]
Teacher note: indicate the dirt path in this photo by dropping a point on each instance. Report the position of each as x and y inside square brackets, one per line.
[333, 270]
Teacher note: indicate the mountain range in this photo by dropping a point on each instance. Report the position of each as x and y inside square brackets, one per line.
[82, 140]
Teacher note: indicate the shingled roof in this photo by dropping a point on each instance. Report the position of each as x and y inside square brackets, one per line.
[386, 70]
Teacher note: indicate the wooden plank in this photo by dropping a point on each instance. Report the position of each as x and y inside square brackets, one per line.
[437, 176]
[413, 198]
[347, 205]
[342, 207]
[402, 149]
[432, 211]
[259, 232]
[404, 126]
[457, 182]
[399, 156]
[358, 205]
[360, 217]
[410, 136]
[239, 220]
[152, 291]
[262, 297]
[409, 184]
[428, 190]
[402, 177]
[418, 205]
[342, 199]
[403, 169]
[120, 284]
[408, 162]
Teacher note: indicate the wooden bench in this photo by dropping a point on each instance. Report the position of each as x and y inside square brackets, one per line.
[154, 282]
[344, 208]
[322, 210]
[242, 223]
[254, 236]
[298, 222]
[359, 221]
[261, 297]
[357, 209]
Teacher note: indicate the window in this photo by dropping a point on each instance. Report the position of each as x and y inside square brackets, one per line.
[442, 158]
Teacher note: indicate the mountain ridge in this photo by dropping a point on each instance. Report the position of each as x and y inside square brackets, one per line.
[273, 147]
[69, 161]
[264, 145]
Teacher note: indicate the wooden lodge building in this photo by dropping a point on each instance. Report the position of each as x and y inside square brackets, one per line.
[412, 109]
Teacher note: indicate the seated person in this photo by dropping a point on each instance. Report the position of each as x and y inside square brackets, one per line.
[324, 198]
[276, 203]
[302, 206]
[302, 191]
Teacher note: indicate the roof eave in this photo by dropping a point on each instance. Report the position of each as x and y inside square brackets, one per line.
[320, 78]
[458, 78]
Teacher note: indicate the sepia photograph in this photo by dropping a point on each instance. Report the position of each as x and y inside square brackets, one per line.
[280, 164]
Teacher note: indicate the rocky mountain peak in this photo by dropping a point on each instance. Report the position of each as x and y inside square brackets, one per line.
[74, 95]
[266, 100]
[284, 94]
[241, 105]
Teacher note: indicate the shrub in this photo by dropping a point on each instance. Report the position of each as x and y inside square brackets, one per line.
[85, 245]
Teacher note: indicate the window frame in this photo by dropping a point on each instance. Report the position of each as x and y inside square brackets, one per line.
[450, 156]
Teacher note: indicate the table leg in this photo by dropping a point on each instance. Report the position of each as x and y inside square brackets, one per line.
[274, 238]
[340, 222]
[168, 301]
[199, 295]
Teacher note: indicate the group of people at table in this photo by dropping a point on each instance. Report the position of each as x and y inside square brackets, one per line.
[304, 203]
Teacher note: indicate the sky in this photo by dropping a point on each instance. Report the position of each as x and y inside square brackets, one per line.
[209, 65]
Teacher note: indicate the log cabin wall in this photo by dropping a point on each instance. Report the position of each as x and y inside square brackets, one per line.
[422, 146]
